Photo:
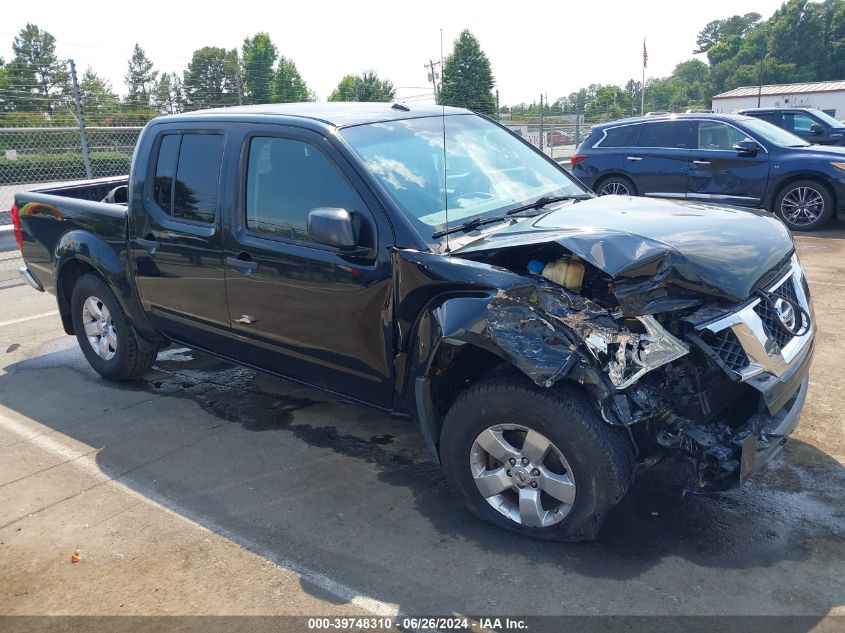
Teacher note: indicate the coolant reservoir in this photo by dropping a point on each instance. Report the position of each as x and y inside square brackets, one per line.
[568, 273]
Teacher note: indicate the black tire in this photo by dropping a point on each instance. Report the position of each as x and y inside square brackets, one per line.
[600, 456]
[809, 217]
[616, 185]
[132, 356]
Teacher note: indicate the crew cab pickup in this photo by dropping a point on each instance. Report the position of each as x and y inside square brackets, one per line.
[427, 262]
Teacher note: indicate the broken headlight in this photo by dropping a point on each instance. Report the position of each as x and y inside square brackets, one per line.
[628, 355]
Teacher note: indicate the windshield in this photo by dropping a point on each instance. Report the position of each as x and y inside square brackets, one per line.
[774, 134]
[826, 118]
[488, 170]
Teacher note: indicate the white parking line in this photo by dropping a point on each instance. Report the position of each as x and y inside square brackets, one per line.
[88, 464]
[32, 317]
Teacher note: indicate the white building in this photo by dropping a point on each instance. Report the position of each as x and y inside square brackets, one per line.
[828, 96]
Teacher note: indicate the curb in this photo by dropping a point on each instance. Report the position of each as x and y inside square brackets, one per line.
[7, 238]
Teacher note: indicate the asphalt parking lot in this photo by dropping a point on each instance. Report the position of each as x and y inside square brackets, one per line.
[208, 488]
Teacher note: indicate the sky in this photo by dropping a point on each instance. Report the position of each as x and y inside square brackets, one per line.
[535, 51]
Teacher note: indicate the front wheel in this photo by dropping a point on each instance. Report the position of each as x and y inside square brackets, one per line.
[106, 336]
[535, 461]
[804, 205]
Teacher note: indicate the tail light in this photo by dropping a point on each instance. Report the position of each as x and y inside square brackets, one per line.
[577, 158]
[16, 223]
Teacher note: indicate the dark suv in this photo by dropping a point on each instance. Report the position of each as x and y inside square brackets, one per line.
[814, 126]
[729, 159]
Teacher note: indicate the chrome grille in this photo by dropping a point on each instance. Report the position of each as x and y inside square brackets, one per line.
[767, 315]
[750, 340]
[727, 348]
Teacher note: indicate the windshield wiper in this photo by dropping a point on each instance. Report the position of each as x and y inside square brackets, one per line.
[476, 222]
[469, 225]
[543, 201]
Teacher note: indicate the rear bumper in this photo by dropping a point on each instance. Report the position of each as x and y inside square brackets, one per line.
[31, 279]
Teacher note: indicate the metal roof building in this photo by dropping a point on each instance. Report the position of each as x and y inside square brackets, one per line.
[828, 96]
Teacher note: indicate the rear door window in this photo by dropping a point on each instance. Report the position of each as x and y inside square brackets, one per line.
[666, 134]
[198, 177]
[187, 176]
[623, 136]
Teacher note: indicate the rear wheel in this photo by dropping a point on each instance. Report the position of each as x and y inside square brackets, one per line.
[535, 461]
[804, 205]
[616, 186]
[107, 338]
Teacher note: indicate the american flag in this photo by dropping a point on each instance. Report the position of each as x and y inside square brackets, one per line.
[645, 55]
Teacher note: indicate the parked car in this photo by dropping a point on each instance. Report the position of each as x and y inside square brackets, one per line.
[545, 340]
[729, 159]
[559, 137]
[814, 126]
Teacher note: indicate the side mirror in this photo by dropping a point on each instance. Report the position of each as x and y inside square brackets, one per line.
[334, 227]
[816, 128]
[747, 147]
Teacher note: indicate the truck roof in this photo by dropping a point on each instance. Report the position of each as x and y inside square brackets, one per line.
[337, 114]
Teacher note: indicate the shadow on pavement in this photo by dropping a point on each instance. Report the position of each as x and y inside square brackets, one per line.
[298, 476]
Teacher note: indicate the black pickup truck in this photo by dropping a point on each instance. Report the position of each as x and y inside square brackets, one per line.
[430, 263]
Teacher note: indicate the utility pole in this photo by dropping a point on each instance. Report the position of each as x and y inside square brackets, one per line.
[238, 86]
[542, 124]
[498, 114]
[83, 135]
[432, 77]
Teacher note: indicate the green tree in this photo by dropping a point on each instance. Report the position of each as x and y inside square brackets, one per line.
[467, 79]
[167, 94]
[259, 55]
[288, 85]
[5, 87]
[364, 87]
[140, 78]
[96, 95]
[36, 76]
[211, 78]
[717, 30]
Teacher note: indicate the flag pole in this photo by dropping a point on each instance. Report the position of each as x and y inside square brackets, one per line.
[642, 88]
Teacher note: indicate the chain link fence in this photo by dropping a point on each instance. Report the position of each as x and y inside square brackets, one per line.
[34, 156]
[557, 137]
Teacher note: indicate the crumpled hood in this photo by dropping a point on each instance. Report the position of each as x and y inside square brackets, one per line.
[661, 254]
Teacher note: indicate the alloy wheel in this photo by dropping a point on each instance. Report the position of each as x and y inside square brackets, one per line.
[99, 328]
[802, 206]
[522, 475]
[614, 188]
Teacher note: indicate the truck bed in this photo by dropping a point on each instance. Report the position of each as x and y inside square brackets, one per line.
[50, 216]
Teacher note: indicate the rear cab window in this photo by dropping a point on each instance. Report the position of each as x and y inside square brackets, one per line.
[187, 175]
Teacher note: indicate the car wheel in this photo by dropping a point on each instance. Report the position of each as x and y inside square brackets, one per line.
[616, 186]
[804, 205]
[107, 338]
[535, 461]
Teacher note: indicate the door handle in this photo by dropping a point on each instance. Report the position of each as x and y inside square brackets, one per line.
[701, 162]
[244, 266]
[149, 245]
[634, 158]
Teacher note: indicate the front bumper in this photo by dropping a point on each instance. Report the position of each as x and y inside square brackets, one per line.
[774, 363]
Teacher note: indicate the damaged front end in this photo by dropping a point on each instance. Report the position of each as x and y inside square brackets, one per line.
[719, 385]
